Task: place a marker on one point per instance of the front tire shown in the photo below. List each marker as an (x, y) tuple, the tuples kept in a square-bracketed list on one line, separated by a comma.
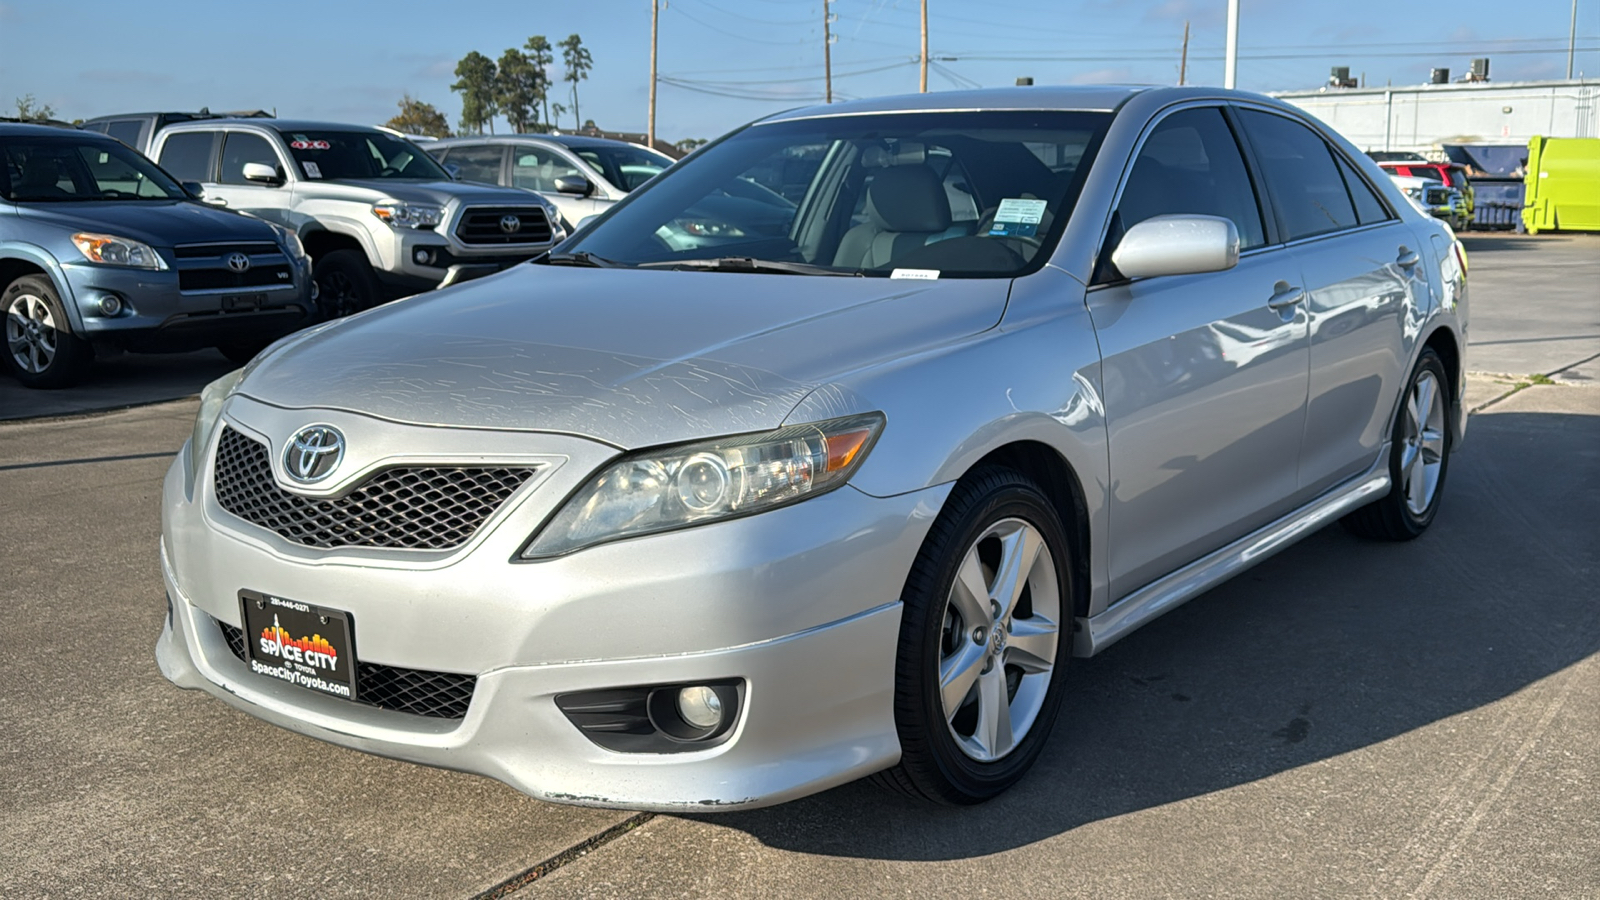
[(1419, 459), (41, 349), (345, 283), (984, 641)]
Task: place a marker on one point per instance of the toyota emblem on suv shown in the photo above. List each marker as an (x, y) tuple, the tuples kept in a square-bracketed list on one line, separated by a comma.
[(238, 262), (510, 224), (313, 453)]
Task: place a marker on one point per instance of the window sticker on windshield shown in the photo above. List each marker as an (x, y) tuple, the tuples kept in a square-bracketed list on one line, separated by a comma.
[(916, 274), (1017, 217), (312, 169), (302, 144)]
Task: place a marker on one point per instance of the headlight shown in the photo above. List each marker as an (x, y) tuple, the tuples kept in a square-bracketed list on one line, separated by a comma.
[(111, 250), (291, 242), (661, 490), (408, 215), (205, 422)]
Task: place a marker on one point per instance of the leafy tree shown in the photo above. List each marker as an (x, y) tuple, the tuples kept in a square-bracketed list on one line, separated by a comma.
[(519, 86), (578, 63), (558, 110), (688, 144), (29, 110), (417, 117), (542, 56), (476, 83)]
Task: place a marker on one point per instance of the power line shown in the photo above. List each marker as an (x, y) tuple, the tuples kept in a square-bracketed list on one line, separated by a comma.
[(680, 11)]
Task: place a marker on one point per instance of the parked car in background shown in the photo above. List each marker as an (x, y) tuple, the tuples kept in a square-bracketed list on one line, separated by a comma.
[(1435, 199), (581, 175), (138, 130), (1451, 175), (99, 248), (1026, 369), (1384, 156), (378, 216)]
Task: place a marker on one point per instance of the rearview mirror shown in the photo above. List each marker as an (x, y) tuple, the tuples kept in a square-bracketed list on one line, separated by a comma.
[(573, 184), (261, 172), (1177, 245)]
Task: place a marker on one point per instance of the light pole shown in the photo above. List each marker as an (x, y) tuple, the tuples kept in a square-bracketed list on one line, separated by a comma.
[(1231, 65)]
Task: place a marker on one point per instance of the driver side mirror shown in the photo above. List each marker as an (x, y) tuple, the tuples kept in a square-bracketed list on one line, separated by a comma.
[(194, 189), (1177, 245), (574, 184), (453, 170), (262, 173)]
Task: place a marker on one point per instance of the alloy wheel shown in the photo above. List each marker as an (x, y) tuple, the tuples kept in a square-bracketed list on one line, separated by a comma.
[(1422, 457), (31, 333)]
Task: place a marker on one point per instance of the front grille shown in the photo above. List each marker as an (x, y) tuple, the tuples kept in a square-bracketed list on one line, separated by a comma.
[(481, 225), (402, 508), (438, 695), (220, 251), (213, 279)]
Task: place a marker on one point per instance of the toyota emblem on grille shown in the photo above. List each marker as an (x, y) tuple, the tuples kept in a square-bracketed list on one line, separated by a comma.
[(238, 262), (510, 224), (313, 453)]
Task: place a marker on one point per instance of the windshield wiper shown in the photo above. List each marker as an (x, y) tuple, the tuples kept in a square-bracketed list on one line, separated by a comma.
[(580, 258), (749, 264)]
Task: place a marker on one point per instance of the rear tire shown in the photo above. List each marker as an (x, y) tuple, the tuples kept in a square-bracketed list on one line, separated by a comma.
[(345, 283), (41, 349), (985, 636), (1419, 459)]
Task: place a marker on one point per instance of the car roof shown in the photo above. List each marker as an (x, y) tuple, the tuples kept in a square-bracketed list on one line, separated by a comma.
[(1087, 98), (16, 129), (275, 124), (565, 140)]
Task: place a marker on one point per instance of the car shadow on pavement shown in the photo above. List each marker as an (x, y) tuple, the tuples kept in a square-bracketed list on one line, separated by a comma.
[(1334, 645)]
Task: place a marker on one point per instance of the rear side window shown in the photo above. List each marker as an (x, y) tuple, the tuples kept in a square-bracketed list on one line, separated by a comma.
[(478, 163), (239, 148), (187, 156), (537, 169), (1369, 208), (126, 131), (1301, 175), (1190, 164)]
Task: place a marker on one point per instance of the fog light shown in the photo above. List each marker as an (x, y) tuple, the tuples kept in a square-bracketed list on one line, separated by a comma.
[(424, 257), (700, 707), (110, 305)]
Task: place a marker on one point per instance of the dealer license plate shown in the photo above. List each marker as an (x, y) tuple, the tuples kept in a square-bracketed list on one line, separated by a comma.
[(299, 643)]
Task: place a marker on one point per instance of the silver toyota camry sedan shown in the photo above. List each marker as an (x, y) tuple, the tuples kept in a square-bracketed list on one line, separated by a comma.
[(823, 454)]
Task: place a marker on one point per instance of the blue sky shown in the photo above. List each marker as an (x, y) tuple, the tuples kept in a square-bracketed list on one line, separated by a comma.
[(350, 60)]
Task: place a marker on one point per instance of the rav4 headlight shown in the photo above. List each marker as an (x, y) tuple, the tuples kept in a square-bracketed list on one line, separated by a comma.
[(205, 422), (408, 215), (110, 250), (662, 490)]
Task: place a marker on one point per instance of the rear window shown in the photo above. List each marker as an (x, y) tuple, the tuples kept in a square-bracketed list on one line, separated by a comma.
[(188, 155)]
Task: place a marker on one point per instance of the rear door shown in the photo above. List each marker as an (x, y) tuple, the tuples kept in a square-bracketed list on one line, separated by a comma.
[(1204, 375), (1364, 279)]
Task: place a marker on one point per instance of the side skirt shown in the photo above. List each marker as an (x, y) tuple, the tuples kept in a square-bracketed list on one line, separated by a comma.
[(1165, 594)]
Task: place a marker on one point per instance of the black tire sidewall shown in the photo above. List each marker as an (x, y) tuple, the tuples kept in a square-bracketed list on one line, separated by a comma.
[(354, 266), (73, 353)]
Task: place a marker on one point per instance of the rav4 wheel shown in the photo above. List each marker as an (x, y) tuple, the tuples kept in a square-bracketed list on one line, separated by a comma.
[(40, 347), (1419, 459), (984, 641), (345, 283)]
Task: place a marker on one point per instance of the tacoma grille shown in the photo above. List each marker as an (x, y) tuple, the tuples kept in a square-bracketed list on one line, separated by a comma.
[(403, 508), (439, 695), (482, 225)]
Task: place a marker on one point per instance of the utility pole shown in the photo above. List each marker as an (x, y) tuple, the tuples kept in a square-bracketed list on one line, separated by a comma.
[(827, 53), (1183, 59), (655, 14), (1231, 63), (1572, 38), (924, 84)]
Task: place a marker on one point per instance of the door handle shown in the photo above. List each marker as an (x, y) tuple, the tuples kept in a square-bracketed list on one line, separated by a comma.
[(1285, 296), (1408, 257), (216, 201)]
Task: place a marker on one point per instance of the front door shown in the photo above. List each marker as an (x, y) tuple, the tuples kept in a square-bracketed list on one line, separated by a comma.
[(233, 191)]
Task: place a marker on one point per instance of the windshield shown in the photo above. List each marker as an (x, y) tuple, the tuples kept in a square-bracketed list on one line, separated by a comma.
[(52, 169), (971, 194), (626, 167), (341, 155)]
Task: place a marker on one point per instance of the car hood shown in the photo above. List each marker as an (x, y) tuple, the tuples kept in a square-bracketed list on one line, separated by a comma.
[(436, 193), (631, 357), (159, 223)]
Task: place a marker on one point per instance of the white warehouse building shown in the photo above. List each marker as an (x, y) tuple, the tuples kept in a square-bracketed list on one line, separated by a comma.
[(1422, 117)]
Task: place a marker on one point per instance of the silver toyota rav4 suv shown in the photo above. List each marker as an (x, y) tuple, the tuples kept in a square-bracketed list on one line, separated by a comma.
[(379, 217), (719, 526)]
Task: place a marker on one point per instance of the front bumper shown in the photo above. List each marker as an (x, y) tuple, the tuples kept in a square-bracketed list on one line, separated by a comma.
[(156, 315), (801, 603)]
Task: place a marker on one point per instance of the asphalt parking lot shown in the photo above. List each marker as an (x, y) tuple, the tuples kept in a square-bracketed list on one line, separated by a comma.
[(1347, 719)]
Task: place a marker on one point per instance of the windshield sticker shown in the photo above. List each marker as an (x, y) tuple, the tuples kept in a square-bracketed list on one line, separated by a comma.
[(312, 169), (916, 274), (1017, 217), (301, 143)]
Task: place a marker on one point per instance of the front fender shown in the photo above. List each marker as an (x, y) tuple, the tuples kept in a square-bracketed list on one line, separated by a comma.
[(46, 260)]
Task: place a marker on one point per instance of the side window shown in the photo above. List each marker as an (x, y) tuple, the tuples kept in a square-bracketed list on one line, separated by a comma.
[(478, 163), (537, 170), (239, 148), (1369, 208), (1301, 175), (1191, 164), (187, 156), (126, 131)]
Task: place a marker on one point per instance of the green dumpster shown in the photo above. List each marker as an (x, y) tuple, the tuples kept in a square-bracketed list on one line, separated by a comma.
[(1563, 180)]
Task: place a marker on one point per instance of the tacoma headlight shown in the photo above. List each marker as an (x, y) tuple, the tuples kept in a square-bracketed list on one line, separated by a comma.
[(205, 421), (408, 215), (110, 250), (661, 490)]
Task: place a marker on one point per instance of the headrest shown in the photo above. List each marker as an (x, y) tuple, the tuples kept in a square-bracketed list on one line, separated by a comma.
[(908, 198)]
